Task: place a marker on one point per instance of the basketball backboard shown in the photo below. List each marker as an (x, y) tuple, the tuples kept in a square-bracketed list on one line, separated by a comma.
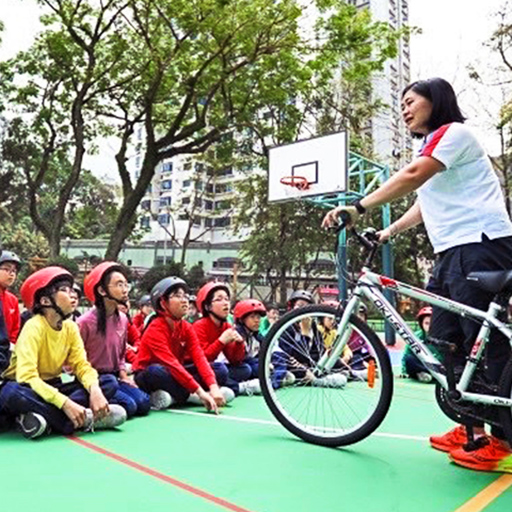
[(322, 161)]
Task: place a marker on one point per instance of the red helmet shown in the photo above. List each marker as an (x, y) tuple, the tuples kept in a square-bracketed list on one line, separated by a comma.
[(95, 276), (206, 292), (246, 307), (39, 280), (425, 311)]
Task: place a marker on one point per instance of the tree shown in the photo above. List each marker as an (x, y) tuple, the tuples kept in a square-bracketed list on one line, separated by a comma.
[(327, 92), (159, 272), (63, 78)]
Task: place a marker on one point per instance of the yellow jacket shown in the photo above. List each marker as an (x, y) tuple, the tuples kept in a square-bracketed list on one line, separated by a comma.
[(40, 354)]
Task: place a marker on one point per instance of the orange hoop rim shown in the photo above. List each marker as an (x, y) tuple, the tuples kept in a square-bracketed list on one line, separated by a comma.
[(299, 182)]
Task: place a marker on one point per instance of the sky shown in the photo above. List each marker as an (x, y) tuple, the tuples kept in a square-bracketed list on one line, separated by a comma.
[(454, 33)]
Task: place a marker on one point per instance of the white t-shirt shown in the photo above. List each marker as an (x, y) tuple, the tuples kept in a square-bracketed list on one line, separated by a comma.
[(464, 200)]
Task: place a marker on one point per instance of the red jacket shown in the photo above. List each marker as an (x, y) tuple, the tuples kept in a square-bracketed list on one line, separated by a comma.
[(133, 339), (208, 333), (169, 346), (138, 321), (11, 314)]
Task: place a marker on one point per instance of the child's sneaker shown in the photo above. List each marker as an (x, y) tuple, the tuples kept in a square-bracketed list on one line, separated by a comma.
[(424, 377), (493, 456), (160, 400), (115, 417), (289, 379), (250, 387), (32, 425), (227, 393), (455, 438), (333, 380)]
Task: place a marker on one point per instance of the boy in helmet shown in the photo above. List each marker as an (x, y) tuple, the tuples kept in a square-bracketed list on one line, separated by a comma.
[(104, 330), (33, 392), (221, 342), (9, 310), (145, 309), (170, 364)]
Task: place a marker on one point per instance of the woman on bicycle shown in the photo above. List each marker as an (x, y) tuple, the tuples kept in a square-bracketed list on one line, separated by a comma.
[(460, 201)]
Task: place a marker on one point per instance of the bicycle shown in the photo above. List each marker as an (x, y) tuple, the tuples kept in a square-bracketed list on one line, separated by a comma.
[(298, 372)]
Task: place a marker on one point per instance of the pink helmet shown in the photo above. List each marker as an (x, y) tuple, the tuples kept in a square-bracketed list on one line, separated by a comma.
[(425, 311), (206, 292), (94, 277)]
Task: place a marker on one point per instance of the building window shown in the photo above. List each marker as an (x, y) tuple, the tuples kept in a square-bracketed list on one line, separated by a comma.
[(167, 167), (164, 219), (146, 204), (208, 205), (222, 222), (186, 183), (166, 185), (165, 201), (145, 221), (185, 200), (208, 223), (209, 188)]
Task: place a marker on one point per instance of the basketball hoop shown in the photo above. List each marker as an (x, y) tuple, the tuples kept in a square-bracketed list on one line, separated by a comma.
[(299, 182)]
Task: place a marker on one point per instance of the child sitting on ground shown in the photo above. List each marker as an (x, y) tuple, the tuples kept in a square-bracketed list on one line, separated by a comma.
[(248, 314), (411, 365), (168, 342), (9, 267), (104, 330), (34, 393), (223, 346)]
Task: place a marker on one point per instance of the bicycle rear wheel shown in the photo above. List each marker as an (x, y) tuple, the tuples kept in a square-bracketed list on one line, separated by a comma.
[(337, 409)]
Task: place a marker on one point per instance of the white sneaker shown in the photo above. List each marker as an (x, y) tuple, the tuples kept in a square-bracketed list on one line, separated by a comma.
[(424, 377), (32, 425), (160, 400), (228, 394), (116, 416), (333, 380), (250, 387), (193, 398), (289, 379)]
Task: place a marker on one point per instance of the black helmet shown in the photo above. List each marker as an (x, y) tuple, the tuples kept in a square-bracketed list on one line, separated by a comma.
[(11, 257), (145, 300), (300, 294), (163, 288), (78, 289)]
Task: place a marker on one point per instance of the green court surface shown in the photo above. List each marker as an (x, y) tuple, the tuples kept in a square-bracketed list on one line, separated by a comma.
[(243, 461)]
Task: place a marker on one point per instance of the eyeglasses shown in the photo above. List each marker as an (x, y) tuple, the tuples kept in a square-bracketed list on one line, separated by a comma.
[(179, 296), (9, 270), (122, 285), (221, 299)]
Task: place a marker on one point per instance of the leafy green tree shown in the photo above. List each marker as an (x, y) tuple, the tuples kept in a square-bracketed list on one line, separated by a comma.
[(329, 91), (159, 272)]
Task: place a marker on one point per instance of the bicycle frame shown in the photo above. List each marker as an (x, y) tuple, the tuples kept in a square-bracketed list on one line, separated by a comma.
[(369, 285)]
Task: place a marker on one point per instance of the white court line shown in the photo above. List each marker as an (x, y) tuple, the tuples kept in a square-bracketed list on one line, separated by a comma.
[(277, 424)]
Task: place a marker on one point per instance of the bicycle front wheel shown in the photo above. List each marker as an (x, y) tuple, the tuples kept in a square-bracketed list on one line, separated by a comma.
[(337, 408)]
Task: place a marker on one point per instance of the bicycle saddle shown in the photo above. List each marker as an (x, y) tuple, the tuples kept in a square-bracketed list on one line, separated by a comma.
[(494, 281)]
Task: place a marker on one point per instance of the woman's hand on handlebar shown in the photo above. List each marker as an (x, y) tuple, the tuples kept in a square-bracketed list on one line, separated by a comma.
[(384, 235), (332, 218)]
